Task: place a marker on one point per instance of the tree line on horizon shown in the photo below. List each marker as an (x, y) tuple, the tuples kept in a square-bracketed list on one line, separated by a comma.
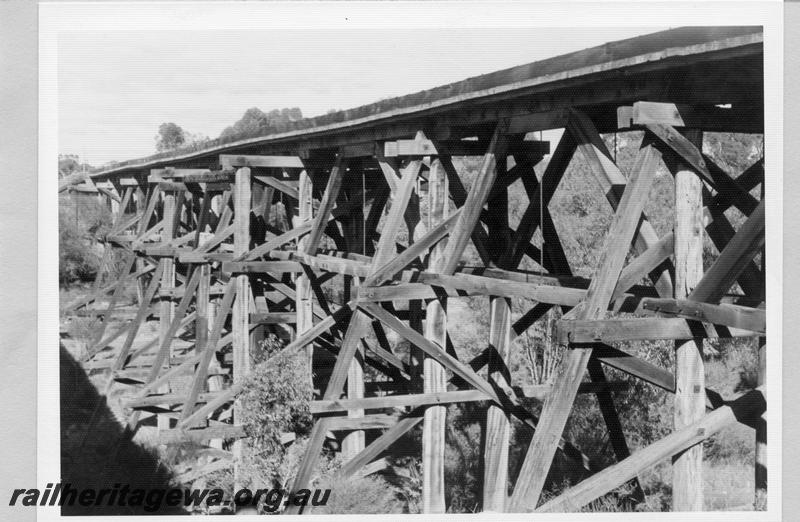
[(171, 136), (254, 122)]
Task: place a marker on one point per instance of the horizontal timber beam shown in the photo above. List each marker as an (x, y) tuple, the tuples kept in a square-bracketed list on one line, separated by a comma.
[(427, 147), (427, 399), (273, 318), (646, 328), (256, 267), (743, 317), (367, 422), (228, 161), (393, 401)]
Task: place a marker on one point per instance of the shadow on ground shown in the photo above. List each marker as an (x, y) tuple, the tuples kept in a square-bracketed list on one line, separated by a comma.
[(94, 454)]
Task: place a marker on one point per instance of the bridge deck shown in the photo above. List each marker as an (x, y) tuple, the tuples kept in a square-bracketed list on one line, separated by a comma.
[(690, 65)]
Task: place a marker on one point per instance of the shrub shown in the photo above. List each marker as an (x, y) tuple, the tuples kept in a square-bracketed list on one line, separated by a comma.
[(80, 222), (76, 261), (407, 476), (463, 457), (275, 400)]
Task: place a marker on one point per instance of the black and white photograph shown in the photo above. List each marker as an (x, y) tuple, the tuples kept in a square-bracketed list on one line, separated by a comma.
[(397, 258)]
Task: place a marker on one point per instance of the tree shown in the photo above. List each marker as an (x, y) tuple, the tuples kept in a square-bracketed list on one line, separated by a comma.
[(170, 137), (252, 121), (255, 122), (195, 139), (70, 164)]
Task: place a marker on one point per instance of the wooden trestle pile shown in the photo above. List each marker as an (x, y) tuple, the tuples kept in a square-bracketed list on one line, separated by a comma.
[(201, 246)]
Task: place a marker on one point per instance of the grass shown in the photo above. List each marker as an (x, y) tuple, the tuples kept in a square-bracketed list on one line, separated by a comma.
[(728, 486)]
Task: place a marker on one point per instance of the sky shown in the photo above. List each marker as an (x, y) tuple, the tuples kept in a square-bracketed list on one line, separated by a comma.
[(116, 87)]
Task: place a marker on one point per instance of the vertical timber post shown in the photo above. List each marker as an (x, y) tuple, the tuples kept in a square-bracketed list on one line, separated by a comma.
[(167, 283), (140, 198), (434, 376), (258, 302), (354, 441), (114, 205), (497, 434), (690, 399), (303, 301), (241, 306), (433, 485), (415, 314), (215, 382), (202, 324)]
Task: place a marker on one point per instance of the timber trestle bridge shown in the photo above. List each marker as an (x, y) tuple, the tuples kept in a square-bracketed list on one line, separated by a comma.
[(197, 238)]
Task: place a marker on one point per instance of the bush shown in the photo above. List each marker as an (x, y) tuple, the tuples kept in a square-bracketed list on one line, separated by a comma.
[(275, 400), (80, 222), (76, 261), (463, 468)]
